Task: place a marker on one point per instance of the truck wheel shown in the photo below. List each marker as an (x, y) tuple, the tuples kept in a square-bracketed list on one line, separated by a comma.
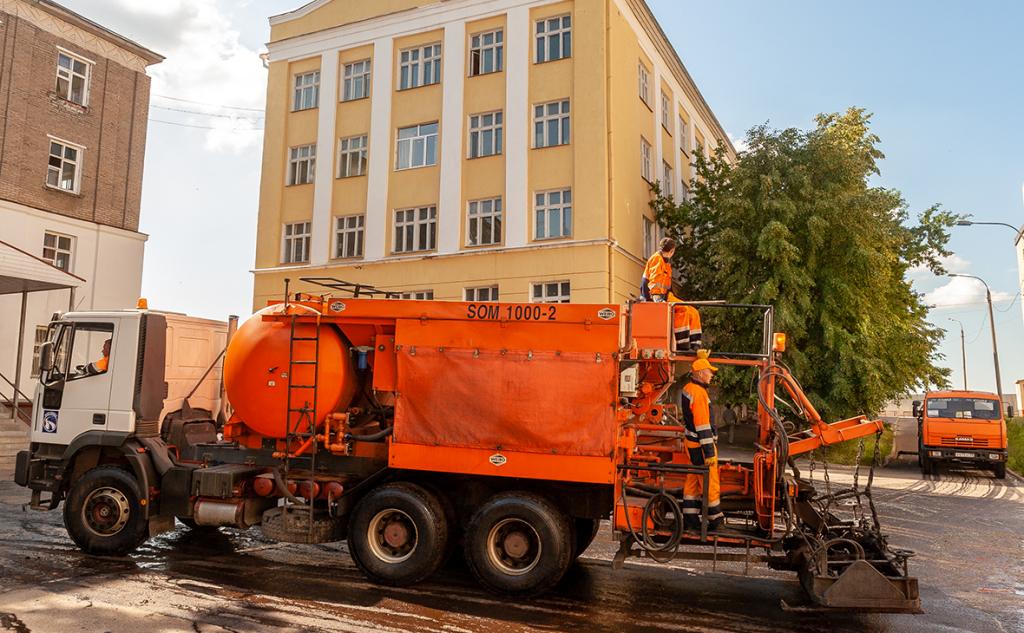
[(518, 544), (584, 533), (398, 534), (1000, 470), (102, 512)]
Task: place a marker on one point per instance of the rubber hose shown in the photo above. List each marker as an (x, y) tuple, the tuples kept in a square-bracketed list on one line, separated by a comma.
[(372, 437), (677, 527), (283, 489)]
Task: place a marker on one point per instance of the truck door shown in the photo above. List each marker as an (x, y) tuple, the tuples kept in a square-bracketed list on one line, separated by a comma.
[(76, 385)]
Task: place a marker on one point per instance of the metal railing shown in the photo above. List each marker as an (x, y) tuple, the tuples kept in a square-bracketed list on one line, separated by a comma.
[(16, 412)]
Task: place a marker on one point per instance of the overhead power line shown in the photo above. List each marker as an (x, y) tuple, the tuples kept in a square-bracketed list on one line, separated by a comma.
[(212, 105), (207, 127), (241, 117)]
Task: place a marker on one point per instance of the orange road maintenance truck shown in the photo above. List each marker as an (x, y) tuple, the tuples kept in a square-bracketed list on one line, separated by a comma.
[(409, 428), (965, 427)]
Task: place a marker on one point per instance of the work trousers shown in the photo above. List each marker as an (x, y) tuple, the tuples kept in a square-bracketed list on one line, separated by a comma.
[(686, 327), (693, 488)]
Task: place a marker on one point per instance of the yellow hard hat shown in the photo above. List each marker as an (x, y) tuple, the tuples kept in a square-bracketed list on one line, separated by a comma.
[(702, 361)]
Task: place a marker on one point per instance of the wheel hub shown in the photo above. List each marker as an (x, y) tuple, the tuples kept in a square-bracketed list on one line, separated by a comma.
[(395, 534), (392, 535), (106, 511), (514, 546)]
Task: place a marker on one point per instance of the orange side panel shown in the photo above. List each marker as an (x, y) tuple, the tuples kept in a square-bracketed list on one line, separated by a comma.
[(559, 403), (651, 325), (478, 461)]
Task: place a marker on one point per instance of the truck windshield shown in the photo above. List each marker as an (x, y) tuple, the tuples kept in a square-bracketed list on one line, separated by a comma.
[(964, 408)]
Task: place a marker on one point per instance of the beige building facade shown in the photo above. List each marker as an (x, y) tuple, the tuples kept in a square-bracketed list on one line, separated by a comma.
[(472, 150)]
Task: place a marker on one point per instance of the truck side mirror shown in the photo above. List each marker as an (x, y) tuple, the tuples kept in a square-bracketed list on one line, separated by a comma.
[(916, 408), (46, 357)]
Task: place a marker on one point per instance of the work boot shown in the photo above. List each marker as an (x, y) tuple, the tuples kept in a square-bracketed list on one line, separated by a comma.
[(691, 523), (716, 525)]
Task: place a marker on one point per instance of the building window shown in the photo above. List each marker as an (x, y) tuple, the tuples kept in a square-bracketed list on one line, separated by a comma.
[(420, 66), (666, 179), (551, 124), (553, 214), (64, 168), (484, 293), (348, 236), (485, 134), (420, 295), (352, 156), (549, 292), (73, 78), (644, 76), (554, 38), (356, 83), (57, 250), (684, 190), (485, 53), (652, 236), (301, 164), (415, 229), (484, 225), (646, 169), (37, 343), (684, 136), (307, 91), (417, 146), (295, 243), (665, 112)]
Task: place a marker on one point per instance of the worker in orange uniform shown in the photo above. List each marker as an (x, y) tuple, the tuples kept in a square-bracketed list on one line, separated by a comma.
[(99, 366), (701, 439), (656, 285)]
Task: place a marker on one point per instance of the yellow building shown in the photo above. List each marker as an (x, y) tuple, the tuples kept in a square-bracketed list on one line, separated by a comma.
[(472, 149)]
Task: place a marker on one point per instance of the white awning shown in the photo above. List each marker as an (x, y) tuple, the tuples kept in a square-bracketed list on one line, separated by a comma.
[(21, 271)]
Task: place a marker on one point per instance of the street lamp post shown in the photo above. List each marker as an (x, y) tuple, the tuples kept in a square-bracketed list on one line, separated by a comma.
[(1018, 231), (992, 322), (963, 349)]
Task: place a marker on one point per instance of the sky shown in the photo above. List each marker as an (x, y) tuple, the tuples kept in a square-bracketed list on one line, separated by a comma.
[(944, 84)]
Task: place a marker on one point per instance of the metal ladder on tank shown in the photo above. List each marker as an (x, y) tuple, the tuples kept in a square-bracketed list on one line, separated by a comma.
[(303, 428)]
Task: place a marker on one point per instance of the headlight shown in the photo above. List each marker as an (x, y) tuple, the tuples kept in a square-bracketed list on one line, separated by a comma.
[(935, 453), (994, 456)]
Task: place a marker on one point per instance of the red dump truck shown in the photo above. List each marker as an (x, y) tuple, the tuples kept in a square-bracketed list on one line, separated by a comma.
[(410, 428)]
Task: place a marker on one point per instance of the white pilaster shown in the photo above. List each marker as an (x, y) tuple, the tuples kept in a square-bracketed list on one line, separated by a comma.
[(677, 140), (453, 79), (518, 43), (659, 156), (323, 178), (379, 151)]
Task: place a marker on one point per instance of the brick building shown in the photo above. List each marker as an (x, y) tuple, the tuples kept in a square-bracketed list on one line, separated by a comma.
[(74, 99)]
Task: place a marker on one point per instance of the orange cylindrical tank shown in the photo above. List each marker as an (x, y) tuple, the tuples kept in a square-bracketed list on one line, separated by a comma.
[(257, 374)]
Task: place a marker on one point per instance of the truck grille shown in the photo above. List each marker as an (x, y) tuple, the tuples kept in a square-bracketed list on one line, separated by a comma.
[(962, 443)]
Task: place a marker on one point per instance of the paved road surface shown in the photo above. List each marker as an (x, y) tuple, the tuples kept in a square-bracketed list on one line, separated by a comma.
[(967, 528)]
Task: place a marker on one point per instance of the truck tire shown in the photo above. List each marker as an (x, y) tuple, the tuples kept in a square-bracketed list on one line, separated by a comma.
[(584, 533), (1000, 470), (518, 544), (102, 513), (398, 534)]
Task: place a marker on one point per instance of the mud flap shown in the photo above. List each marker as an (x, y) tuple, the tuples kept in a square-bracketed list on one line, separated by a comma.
[(863, 589)]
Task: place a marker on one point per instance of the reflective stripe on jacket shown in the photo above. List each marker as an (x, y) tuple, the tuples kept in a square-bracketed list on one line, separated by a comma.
[(658, 273), (696, 410)]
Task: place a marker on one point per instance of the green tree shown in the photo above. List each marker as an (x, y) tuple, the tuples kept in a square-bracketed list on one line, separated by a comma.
[(794, 222)]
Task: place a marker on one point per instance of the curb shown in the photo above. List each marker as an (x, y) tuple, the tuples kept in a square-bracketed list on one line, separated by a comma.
[(1015, 475)]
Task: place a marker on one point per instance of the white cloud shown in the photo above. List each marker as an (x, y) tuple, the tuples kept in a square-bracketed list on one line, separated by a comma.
[(205, 62), (953, 263), (960, 291), (740, 143)]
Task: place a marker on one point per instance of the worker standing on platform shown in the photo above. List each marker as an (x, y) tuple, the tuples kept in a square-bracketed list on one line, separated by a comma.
[(701, 441), (656, 285)]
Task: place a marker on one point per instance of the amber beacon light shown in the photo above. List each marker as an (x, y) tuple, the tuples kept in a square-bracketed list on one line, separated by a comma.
[(779, 342)]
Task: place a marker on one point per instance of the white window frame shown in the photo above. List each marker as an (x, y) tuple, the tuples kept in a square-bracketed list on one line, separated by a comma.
[(69, 74), (422, 146), (479, 129), (352, 156), (684, 136), (646, 166), (543, 117), (349, 235), (301, 156), (303, 88), (478, 50), (644, 83), (295, 240), (415, 63), (544, 207), (557, 28), (665, 101), (652, 232), (417, 295), (489, 210), (481, 294), (57, 250), (562, 292), (417, 225), (666, 179), (356, 81), (684, 190), (77, 162), (37, 343)]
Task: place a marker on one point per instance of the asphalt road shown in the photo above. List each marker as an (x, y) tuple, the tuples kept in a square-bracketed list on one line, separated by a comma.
[(967, 528)]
